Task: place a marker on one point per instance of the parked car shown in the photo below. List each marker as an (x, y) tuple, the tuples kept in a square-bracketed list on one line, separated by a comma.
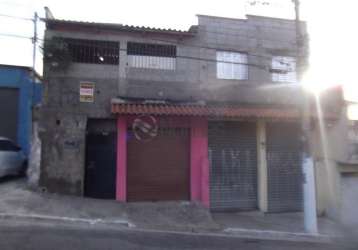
[(12, 159)]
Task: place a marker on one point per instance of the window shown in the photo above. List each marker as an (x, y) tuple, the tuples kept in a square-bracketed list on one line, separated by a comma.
[(151, 56), (231, 65), (283, 69), (93, 51)]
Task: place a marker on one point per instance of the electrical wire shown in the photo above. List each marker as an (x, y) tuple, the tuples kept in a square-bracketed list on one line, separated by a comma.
[(17, 17), (15, 36), (192, 46), (263, 67)]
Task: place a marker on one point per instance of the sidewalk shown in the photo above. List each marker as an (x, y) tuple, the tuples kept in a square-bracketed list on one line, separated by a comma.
[(16, 201)]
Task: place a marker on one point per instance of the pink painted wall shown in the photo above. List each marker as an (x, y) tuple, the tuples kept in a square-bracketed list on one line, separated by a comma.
[(199, 164), (121, 179)]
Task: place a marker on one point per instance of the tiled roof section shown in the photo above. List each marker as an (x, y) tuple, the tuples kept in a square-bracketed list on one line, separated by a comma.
[(203, 110), (120, 27)]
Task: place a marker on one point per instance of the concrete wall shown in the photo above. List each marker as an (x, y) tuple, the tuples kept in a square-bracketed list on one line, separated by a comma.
[(64, 117), (330, 149), (195, 74)]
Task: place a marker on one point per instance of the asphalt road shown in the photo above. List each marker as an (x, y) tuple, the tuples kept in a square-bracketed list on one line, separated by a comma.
[(34, 235)]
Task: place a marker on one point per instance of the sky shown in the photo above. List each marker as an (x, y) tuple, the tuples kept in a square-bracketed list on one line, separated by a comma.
[(331, 25)]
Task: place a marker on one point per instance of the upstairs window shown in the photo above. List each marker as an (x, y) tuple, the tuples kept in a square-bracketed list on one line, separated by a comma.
[(283, 69), (93, 51), (151, 56), (231, 65)]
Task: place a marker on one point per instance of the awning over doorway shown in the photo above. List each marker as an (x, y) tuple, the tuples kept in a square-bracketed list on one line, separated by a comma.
[(202, 110)]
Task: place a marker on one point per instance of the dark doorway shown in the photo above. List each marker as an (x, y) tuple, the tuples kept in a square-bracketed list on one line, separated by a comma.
[(100, 172), (158, 170), (9, 99)]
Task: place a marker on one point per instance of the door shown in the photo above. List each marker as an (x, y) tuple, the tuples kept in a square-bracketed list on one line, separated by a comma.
[(284, 167), (233, 166), (349, 199), (100, 172), (9, 100), (158, 170)]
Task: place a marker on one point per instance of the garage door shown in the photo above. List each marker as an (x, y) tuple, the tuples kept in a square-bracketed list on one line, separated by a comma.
[(158, 170), (284, 167), (9, 99), (349, 202), (233, 166)]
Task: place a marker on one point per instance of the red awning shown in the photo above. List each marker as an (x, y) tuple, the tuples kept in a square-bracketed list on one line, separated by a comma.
[(203, 110)]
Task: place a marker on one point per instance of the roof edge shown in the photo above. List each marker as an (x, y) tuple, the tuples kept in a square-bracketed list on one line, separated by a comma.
[(123, 27), (28, 68)]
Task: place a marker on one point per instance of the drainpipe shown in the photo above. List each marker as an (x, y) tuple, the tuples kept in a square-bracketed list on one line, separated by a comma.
[(309, 186)]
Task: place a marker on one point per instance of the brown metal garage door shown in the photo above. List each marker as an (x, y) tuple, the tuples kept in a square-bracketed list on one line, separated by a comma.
[(158, 170)]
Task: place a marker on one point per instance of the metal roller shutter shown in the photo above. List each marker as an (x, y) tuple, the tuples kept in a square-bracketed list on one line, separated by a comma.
[(284, 167), (233, 166), (158, 170)]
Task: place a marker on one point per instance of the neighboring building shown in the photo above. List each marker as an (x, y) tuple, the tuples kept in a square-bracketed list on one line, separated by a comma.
[(211, 114), (20, 91), (337, 164)]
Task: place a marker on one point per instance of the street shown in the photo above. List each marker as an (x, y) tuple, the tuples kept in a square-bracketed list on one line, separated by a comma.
[(35, 235)]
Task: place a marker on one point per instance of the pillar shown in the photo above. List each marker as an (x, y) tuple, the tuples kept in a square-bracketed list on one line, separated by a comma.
[(262, 167), (121, 179)]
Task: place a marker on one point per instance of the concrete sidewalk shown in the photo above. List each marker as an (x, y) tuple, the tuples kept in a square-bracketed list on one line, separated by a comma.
[(17, 201)]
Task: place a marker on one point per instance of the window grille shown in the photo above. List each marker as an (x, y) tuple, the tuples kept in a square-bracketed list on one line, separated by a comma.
[(152, 56), (284, 69), (231, 65), (93, 51)]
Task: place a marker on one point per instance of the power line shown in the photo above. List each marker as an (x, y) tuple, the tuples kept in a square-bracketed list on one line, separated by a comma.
[(193, 46), (16, 17), (15, 3), (259, 66), (15, 36)]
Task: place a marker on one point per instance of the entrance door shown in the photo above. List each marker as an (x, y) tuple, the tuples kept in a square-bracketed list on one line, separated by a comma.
[(100, 178), (158, 170), (284, 167), (233, 166), (9, 99)]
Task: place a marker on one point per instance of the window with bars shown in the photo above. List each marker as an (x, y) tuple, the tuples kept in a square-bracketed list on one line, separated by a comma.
[(93, 51), (283, 69), (231, 65), (151, 56)]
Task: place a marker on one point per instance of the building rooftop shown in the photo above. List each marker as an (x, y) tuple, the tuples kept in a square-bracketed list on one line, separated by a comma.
[(26, 68), (53, 23)]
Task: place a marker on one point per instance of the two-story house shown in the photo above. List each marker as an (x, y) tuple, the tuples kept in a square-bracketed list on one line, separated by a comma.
[(211, 114)]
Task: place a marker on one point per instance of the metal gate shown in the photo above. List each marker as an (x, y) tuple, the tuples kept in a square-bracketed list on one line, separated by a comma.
[(9, 99), (158, 170), (284, 167), (233, 166)]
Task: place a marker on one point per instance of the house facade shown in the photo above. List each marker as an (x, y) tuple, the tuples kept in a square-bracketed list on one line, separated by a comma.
[(211, 114), (20, 91)]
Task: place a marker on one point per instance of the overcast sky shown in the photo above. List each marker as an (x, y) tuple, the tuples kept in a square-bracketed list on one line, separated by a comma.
[(331, 23)]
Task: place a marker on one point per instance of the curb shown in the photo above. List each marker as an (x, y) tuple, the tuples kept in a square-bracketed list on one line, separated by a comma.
[(279, 235), (227, 233), (66, 219)]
